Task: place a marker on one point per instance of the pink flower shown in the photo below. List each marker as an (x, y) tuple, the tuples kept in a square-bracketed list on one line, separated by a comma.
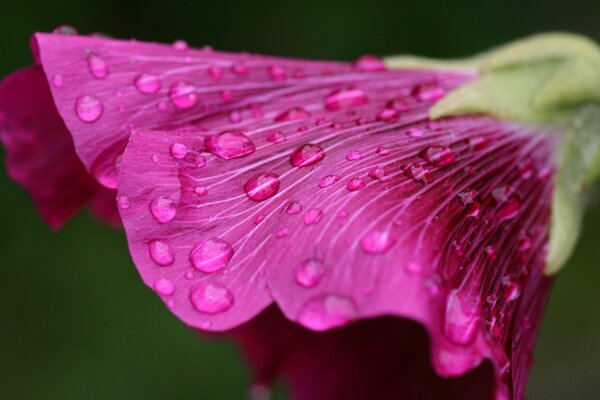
[(281, 199)]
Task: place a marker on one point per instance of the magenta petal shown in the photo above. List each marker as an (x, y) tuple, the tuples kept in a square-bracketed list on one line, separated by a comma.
[(40, 153), (103, 88)]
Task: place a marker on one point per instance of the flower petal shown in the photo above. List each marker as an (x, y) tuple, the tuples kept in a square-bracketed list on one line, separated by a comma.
[(40, 154)]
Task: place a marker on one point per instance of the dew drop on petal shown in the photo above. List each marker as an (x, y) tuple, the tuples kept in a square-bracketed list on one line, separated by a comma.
[(240, 69), (509, 209), (418, 173), (440, 156), (312, 216), (293, 208), (161, 253), (164, 287), (429, 92), (200, 191), (229, 144), (307, 155), (211, 255), (353, 155), (414, 132), (461, 319), (414, 268), (369, 63), (147, 83), (180, 45), (379, 173), (276, 137), (293, 114), (88, 108), (524, 243), (123, 202), (377, 241), (326, 312), (355, 184), (472, 202), (309, 273), (57, 80), (277, 73), (383, 151), (183, 95), (216, 73), (211, 298), (328, 181), (262, 186), (345, 98), (178, 151), (97, 66), (163, 209)]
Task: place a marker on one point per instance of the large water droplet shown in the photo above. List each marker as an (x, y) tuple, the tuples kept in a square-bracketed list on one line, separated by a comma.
[(147, 83), (88, 108), (326, 312), (307, 155), (183, 95), (163, 209), (345, 98), (164, 287), (229, 144), (309, 273), (211, 255), (211, 298), (377, 241), (461, 319), (262, 186), (97, 66), (313, 216), (161, 253)]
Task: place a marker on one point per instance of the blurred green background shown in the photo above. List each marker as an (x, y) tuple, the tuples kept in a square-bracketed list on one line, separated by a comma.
[(76, 321)]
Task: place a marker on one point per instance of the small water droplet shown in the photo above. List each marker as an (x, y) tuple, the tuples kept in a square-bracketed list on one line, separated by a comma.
[(123, 202), (377, 241), (429, 92), (189, 275), (353, 155), (211, 298), (162, 106), (282, 232), (293, 208), (345, 98), (326, 312), (472, 202), (216, 73), (147, 83), (414, 268), (180, 45), (65, 30), (154, 158), (307, 155), (491, 252), (313, 216), (183, 95), (276, 137), (178, 151), (418, 173), (328, 181), (211, 255), (461, 318), (262, 186), (293, 114), (57, 80), (414, 132), (229, 144), (163, 209), (355, 184), (309, 273), (525, 243), (440, 156), (97, 66), (200, 191), (88, 108), (277, 73), (379, 173), (240, 69), (369, 63), (509, 209), (164, 287), (161, 253), (383, 151)]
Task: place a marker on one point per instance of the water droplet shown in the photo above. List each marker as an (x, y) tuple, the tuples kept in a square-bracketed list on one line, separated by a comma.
[(277, 73), (345, 98), (440, 156), (512, 290), (414, 132), (414, 268), (259, 218), (211, 298), (377, 242), (154, 158), (293, 114), (328, 181), (240, 69), (147, 83), (429, 92), (229, 144), (183, 95), (379, 173), (216, 73), (276, 137), (309, 273), (161, 253), (491, 252), (282, 232), (388, 115), (211, 255), (163, 209), (369, 63), (65, 30), (200, 191), (293, 208), (383, 151), (57, 80), (162, 106), (123, 202), (313, 216), (97, 66), (472, 202), (326, 312), (200, 161), (180, 45), (189, 275), (355, 184), (262, 186), (509, 209), (88, 108), (178, 151), (353, 155), (307, 155), (164, 287), (461, 318), (524, 243), (418, 174)]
